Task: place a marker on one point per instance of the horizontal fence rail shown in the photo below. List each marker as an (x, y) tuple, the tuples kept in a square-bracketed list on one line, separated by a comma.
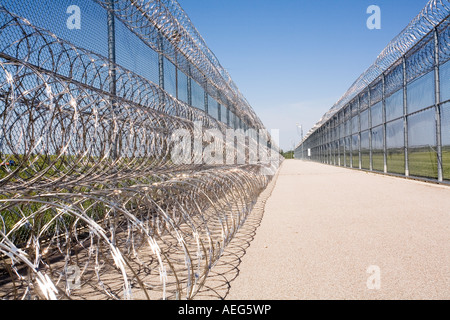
[(93, 202), (395, 120)]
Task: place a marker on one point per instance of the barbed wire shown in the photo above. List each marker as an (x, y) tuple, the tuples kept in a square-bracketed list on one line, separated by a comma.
[(183, 45), (92, 203), (432, 15)]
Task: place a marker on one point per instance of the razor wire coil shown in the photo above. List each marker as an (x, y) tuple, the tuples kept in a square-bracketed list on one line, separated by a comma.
[(93, 205)]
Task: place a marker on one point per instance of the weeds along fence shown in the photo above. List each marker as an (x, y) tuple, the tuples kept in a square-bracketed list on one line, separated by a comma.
[(395, 118), (93, 204)]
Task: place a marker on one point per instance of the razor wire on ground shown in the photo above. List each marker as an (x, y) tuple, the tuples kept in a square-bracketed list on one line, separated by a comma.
[(92, 203)]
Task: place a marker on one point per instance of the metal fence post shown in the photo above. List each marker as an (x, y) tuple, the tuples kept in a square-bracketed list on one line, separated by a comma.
[(160, 60), (339, 140), (112, 70), (351, 135), (189, 86), (330, 142), (176, 76), (405, 118), (205, 97), (383, 106), (359, 133), (438, 107), (370, 130)]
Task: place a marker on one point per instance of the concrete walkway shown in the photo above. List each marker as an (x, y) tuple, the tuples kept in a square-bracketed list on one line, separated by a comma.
[(324, 227)]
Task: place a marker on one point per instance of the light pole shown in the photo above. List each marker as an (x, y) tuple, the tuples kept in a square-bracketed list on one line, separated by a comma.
[(301, 132)]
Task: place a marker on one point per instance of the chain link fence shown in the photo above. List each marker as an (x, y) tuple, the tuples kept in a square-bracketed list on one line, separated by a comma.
[(395, 118)]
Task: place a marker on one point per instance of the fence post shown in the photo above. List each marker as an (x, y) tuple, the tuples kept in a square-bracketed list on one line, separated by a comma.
[(176, 74), (177, 92), (160, 60), (328, 142), (205, 96), (438, 107), (338, 140), (370, 130), (405, 118), (189, 86), (359, 133), (112, 71), (383, 106)]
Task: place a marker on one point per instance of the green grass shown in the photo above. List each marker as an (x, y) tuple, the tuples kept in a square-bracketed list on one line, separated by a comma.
[(396, 161), (422, 162), (365, 160), (378, 161), (446, 162), (355, 159)]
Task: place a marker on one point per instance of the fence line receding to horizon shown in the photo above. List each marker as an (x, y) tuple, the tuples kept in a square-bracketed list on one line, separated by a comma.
[(395, 119)]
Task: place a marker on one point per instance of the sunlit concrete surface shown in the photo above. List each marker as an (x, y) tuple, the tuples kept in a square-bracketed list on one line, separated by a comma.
[(324, 227)]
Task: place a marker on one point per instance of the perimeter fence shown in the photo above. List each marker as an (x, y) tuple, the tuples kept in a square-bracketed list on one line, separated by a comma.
[(395, 118)]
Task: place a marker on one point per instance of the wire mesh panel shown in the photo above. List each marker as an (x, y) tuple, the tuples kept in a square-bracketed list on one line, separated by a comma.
[(394, 79), (52, 15), (348, 151), (232, 123), (355, 151), (355, 124), (198, 96), (342, 152), (395, 145), (377, 114), (376, 93), (364, 119), (131, 52), (170, 78), (420, 93), (422, 154), (365, 150), (182, 88), (213, 108), (378, 148), (224, 114), (394, 106), (364, 100), (444, 73)]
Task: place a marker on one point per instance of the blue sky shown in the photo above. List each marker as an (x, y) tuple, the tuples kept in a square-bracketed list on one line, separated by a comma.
[(293, 59)]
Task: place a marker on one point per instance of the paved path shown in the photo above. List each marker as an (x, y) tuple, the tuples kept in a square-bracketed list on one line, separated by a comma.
[(324, 226)]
